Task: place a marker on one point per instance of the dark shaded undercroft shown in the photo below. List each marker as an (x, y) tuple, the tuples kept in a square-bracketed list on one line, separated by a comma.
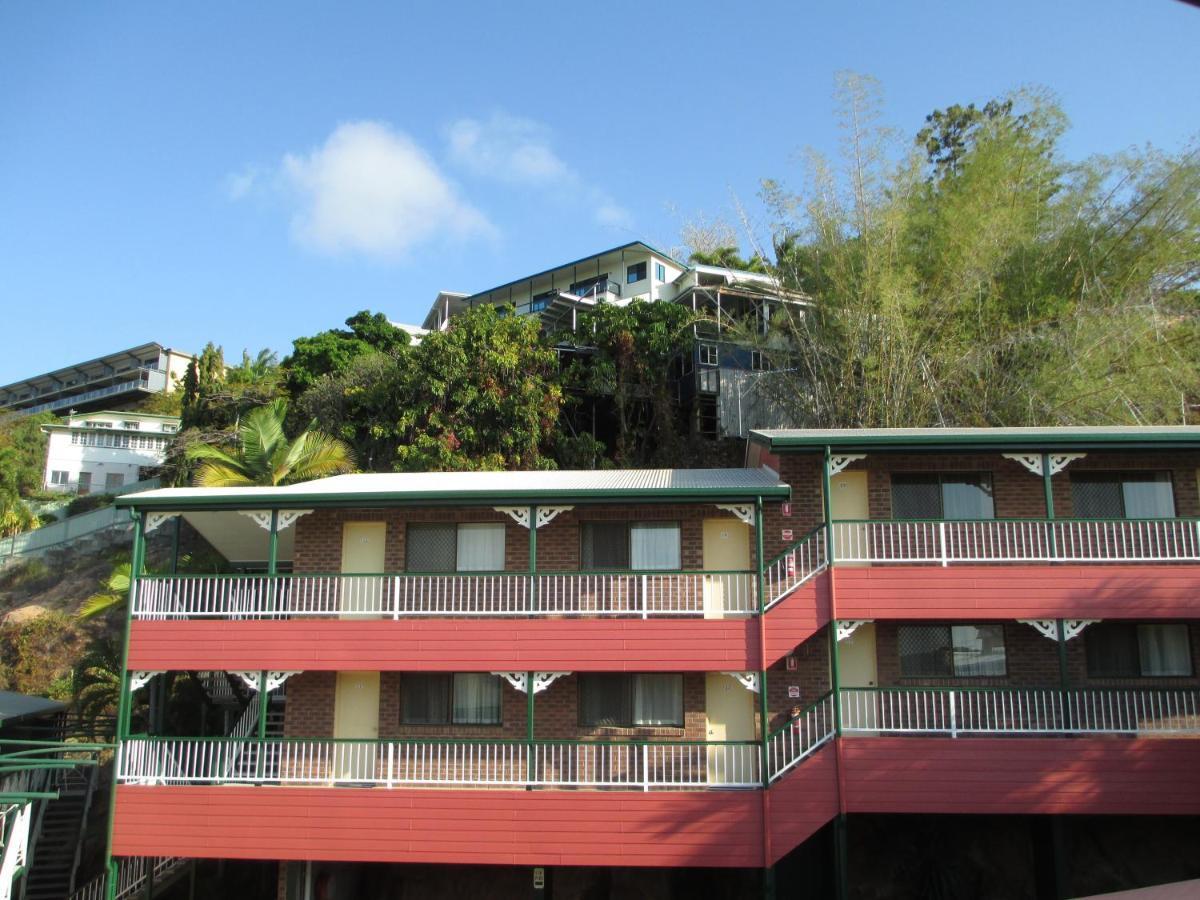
[(892, 857)]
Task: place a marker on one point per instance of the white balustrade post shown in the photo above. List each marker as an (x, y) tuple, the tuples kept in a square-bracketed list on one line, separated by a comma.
[(645, 765), (942, 541), (645, 599), (953, 716)]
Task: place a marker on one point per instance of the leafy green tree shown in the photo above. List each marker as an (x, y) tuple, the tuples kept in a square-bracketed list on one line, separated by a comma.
[(362, 405), (113, 593), (629, 357), (255, 370), (483, 394), (264, 455), (331, 352), (97, 681), (1009, 287)]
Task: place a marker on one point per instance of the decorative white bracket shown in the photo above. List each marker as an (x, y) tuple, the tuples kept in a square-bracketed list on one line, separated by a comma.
[(541, 680), (516, 679), (748, 680), (849, 626), (262, 517), (546, 515), (1072, 627), (274, 679), (838, 463), (154, 519), (1048, 628), (138, 680), (743, 511), (520, 514), (1033, 461)]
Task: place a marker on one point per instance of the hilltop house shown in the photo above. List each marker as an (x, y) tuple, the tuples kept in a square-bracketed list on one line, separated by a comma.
[(105, 451), (718, 381)]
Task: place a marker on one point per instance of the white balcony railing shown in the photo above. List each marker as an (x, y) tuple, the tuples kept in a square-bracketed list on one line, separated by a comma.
[(1021, 711), (794, 566), (447, 763), (642, 594), (800, 736), (1017, 540), (132, 874)]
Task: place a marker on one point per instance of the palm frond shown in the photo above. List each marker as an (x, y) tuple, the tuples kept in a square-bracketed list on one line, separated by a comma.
[(214, 474), (316, 455)]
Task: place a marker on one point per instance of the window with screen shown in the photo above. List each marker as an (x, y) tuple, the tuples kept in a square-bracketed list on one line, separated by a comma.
[(625, 545), (447, 547), (952, 651), (1122, 495), (951, 495), (461, 698), (623, 700)]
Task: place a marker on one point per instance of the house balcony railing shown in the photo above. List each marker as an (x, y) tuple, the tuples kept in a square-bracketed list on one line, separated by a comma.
[(636, 594), (1016, 541), (396, 596), (433, 762), (1021, 711)]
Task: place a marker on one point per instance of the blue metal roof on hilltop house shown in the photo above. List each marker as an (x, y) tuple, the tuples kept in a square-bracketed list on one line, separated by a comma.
[(576, 262), (14, 707)]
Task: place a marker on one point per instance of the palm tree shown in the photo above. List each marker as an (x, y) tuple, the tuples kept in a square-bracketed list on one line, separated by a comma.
[(266, 457), (113, 595), (98, 685)]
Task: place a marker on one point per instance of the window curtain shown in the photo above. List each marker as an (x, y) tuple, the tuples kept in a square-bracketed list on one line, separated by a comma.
[(1164, 650), (476, 699), (967, 497), (1148, 496), (481, 547), (658, 700), (655, 545)]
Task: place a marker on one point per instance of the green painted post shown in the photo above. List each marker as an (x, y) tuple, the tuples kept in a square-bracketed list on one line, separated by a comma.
[(178, 522), (1048, 493), (533, 592), (762, 629), (1063, 681), (263, 703), (272, 559), (827, 506), (135, 567), (529, 765), (835, 678)]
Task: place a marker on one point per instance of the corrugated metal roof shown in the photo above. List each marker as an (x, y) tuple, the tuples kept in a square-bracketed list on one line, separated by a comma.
[(1065, 437), (458, 487), (14, 706)]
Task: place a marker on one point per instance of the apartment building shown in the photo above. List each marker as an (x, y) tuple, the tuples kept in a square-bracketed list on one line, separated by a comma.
[(112, 381), (721, 378), (556, 673), (105, 451)]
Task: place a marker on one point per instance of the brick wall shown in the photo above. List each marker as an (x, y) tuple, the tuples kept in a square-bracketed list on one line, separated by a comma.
[(810, 675), (1018, 494), (1032, 661), (309, 712), (319, 534)]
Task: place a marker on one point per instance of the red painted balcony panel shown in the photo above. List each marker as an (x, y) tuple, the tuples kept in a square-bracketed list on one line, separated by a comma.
[(802, 801), (1142, 591), (716, 828), (577, 645), (797, 617), (1026, 776)]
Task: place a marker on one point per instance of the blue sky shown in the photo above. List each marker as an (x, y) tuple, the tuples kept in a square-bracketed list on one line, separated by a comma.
[(247, 173)]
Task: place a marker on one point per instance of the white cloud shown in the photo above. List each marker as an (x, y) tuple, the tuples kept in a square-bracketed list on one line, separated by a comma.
[(242, 184), (373, 190), (518, 151)]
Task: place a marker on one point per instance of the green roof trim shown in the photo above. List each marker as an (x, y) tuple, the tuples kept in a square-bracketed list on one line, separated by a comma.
[(478, 488), (901, 440)]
